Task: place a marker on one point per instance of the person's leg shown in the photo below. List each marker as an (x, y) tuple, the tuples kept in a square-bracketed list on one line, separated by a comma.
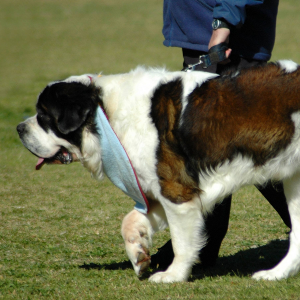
[(216, 225), (275, 195)]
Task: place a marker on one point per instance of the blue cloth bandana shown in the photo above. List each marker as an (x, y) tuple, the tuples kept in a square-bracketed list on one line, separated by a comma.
[(117, 165)]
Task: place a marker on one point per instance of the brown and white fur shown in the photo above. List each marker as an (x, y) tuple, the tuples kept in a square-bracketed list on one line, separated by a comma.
[(193, 138)]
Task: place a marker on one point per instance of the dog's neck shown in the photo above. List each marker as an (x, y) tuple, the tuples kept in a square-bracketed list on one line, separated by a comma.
[(116, 162)]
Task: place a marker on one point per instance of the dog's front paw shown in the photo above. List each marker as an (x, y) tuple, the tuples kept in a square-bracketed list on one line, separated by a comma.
[(267, 275), (136, 232), (166, 277), (142, 263), (139, 257)]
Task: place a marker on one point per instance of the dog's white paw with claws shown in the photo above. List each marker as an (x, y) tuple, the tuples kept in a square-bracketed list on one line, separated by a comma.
[(137, 233)]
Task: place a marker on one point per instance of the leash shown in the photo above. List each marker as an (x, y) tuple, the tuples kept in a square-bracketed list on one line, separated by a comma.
[(215, 55)]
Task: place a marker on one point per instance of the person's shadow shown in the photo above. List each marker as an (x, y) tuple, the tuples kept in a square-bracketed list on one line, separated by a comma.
[(242, 263)]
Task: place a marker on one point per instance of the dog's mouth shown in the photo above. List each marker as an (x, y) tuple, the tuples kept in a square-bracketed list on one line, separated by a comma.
[(63, 156)]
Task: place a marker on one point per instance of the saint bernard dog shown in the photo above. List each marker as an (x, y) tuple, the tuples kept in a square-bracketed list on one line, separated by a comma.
[(191, 138)]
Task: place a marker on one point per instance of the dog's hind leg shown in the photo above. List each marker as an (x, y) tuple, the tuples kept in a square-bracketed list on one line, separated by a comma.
[(186, 224), (290, 264), (137, 230)]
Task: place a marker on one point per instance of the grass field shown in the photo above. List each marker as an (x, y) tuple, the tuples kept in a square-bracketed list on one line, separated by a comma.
[(59, 229)]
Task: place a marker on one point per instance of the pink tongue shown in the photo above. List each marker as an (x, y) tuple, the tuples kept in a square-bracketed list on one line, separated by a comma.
[(40, 163)]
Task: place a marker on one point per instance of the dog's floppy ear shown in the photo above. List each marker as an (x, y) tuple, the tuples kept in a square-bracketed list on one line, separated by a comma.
[(70, 119), (69, 104)]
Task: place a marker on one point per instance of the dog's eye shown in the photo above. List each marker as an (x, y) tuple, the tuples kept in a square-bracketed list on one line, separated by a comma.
[(43, 117), (44, 121)]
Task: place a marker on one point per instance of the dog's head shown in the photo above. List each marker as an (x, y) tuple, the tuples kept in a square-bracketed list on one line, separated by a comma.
[(64, 110)]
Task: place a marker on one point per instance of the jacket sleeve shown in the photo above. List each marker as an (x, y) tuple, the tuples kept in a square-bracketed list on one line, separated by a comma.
[(233, 11)]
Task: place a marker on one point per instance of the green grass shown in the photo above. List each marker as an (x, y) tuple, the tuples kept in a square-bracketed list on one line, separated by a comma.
[(60, 229)]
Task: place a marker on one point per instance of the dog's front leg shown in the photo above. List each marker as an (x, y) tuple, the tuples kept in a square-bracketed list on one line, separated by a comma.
[(186, 224), (137, 231)]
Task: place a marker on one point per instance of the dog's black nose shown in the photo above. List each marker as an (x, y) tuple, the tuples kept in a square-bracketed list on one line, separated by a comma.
[(21, 128)]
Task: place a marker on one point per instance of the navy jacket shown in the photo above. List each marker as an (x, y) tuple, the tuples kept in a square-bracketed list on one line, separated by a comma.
[(187, 24)]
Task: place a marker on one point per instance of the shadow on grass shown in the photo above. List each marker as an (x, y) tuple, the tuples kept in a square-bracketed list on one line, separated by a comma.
[(242, 263), (245, 262), (113, 266)]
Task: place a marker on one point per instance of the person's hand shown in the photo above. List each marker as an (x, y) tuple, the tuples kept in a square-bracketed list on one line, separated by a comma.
[(219, 36)]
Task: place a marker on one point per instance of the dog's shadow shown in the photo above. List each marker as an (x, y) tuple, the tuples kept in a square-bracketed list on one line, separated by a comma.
[(113, 266), (245, 262), (242, 263)]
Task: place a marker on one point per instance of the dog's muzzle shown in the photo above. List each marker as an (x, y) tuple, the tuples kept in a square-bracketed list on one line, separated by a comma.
[(61, 157)]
